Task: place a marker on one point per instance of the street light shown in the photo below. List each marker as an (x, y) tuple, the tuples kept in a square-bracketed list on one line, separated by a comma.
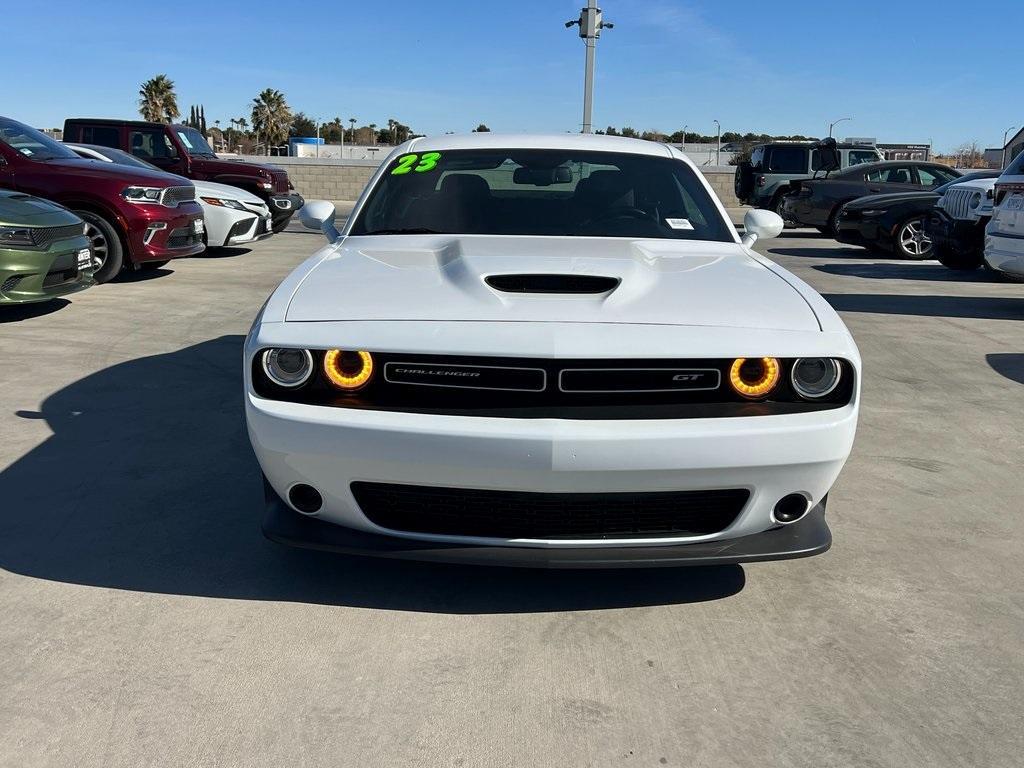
[(835, 123), (1002, 163), (590, 23), (718, 152)]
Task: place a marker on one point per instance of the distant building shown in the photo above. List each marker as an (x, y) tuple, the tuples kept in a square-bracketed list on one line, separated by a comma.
[(1014, 146), (993, 157), (905, 151)]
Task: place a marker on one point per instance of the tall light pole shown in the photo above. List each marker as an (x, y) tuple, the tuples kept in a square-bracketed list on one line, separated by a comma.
[(1002, 163), (684, 136), (718, 152), (318, 137), (590, 23), (834, 123)]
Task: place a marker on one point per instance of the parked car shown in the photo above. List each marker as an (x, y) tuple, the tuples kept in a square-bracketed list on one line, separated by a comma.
[(817, 202), (1004, 235), (184, 150), (134, 217), (232, 215), (767, 177), (548, 350), (956, 225), (44, 252), (897, 222)]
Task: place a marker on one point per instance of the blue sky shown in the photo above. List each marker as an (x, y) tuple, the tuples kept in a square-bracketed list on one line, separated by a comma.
[(446, 66)]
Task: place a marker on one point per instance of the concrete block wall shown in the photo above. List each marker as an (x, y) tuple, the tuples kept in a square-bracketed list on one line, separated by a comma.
[(332, 179)]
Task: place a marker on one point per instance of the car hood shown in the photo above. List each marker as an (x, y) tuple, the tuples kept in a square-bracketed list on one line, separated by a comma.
[(442, 277), (881, 201), (129, 174), (17, 209), (213, 189)]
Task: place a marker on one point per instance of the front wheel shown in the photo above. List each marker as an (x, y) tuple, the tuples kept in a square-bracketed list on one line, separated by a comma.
[(911, 241), (107, 251), (958, 260)]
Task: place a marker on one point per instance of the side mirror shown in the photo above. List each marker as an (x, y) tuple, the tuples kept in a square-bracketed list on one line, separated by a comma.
[(761, 225), (319, 214)]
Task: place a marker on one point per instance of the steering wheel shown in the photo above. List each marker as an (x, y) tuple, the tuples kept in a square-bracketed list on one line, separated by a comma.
[(619, 212)]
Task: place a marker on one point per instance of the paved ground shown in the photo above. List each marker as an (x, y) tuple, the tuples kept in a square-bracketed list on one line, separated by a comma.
[(146, 622)]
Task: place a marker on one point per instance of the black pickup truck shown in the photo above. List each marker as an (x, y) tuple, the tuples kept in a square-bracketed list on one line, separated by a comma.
[(183, 150)]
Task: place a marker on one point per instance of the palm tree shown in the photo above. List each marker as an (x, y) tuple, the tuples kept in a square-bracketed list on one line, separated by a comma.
[(271, 117), (157, 100), (373, 134), (352, 135)]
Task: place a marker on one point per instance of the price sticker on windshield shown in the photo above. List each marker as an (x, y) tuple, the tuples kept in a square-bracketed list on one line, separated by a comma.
[(416, 163)]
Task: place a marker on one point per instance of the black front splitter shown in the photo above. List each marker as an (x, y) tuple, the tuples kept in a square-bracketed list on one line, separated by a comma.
[(810, 536)]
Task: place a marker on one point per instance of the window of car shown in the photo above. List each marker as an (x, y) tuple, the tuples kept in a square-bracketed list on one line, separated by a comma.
[(891, 174), (104, 135), (33, 144), (194, 142), (932, 176), (787, 160), (757, 159), (541, 192), (859, 156), (150, 143)]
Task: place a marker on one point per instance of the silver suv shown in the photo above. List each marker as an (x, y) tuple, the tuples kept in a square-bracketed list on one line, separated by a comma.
[(765, 179)]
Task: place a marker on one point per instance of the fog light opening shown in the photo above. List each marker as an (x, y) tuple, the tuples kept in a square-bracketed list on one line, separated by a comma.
[(305, 498), (791, 508)]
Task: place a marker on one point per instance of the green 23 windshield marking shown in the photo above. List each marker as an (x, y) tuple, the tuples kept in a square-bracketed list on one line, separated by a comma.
[(407, 163)]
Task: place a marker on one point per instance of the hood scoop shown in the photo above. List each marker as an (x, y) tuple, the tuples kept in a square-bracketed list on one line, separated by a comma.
[(560, 284)]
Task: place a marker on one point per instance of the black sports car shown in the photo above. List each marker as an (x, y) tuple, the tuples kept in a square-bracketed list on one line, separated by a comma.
[(817, 202), (894, 222)]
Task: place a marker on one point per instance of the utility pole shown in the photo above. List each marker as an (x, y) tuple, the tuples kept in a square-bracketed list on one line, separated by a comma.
[(718, 152), (834, 123), (1002, 163), (590, 23)]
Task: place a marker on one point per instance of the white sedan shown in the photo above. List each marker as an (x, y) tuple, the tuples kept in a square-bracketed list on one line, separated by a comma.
[(232, 216), (548, 351)]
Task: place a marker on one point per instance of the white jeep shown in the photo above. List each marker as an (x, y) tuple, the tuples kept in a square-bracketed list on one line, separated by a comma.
[(956, 225)]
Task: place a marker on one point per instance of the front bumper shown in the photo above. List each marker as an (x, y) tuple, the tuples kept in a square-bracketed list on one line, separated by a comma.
[(283, 206), (156, 233), (860, 231), (808, 537), (30, 275), (958, 235)]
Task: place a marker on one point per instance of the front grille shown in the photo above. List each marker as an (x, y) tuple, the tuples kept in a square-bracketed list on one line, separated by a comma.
[(183, 237), (239, 228), (45, 236), (957, 202), (173, 196), (10, 283), (525, 515), (64, 269)]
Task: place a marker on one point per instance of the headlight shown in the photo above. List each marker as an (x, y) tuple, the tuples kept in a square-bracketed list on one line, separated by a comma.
[(754, 377), (348, 370), (143, 195), (15, 236), (975, 200), (223, 202), (815, 377), (288, 367)]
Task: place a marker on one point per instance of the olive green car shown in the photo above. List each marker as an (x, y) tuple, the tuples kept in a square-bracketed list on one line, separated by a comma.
[(44, 252)]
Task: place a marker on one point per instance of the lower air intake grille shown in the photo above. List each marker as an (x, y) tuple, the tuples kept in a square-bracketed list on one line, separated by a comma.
[(523, 515)]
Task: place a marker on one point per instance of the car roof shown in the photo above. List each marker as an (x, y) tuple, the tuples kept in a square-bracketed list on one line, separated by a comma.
[(571, 141), (811, 144), (109, 121)]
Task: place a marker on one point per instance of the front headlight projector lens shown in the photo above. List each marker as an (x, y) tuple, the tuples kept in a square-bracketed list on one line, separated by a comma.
[(754, 377), (348, 370), (288, 367), (815, 377)]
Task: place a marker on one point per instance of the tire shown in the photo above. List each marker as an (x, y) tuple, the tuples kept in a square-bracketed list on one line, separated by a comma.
[(957, 260), (108, 252), (153, 265), (779, 202), (832, 228), (911, 242)]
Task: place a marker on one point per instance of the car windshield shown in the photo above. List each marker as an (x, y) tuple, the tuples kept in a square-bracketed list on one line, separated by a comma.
[(541, 192), (966, 177), (33, 144), (119, 157), (194, 141)]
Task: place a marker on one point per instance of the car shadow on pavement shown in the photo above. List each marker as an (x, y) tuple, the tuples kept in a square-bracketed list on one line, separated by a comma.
[(148, 483), (842, 252), (15, 313), (222, 252), (977, 307), (141, 275), (901, 270), (1008, 364)]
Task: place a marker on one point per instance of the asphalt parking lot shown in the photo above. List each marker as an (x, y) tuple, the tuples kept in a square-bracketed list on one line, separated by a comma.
[(146, 622)]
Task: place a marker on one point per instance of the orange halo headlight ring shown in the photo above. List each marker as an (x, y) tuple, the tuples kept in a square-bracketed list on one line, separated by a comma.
[(348, 370), (755, 377)]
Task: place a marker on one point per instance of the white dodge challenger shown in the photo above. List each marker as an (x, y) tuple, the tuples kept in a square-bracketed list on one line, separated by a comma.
[(548, 351)]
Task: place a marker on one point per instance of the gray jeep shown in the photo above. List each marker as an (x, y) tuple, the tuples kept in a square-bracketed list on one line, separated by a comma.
[(765, 179)]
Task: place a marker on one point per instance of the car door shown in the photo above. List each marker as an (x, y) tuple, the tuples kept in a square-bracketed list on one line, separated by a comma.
[(891, 178)]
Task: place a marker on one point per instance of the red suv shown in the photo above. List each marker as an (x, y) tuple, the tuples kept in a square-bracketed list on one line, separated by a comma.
[(185, 151), (135, 217)]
